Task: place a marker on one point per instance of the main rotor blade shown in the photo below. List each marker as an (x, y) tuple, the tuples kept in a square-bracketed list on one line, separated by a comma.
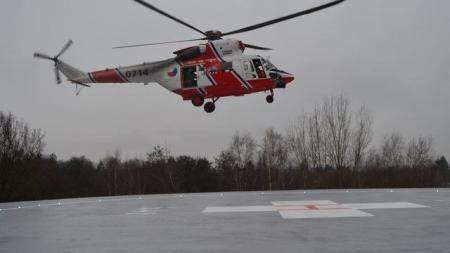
[(64, 49), (157, 43), (168, 15), (257, 47), (278, 20), (42, 56)]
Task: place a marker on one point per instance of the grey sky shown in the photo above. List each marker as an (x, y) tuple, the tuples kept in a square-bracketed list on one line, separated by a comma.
[(392, 55)]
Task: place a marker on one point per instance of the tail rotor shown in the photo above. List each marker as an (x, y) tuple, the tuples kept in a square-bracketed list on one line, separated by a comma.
[(55, 59), (57, 74), (43, 56)]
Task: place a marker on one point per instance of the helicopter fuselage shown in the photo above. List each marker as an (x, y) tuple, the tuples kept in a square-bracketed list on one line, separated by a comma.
[(212, 70)]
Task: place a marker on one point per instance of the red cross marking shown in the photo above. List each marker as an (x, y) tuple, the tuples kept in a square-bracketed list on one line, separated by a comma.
[(312, 207)]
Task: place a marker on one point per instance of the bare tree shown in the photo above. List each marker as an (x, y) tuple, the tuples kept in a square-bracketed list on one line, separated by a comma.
[(18, 144), (273, 154), (373, 159), (419, 152), (361, 137), (298, 141), (242, 148), (225, 164), (112, 166), (17, 139), (337, 129), (158, 159), (317, 139), (392, 149)]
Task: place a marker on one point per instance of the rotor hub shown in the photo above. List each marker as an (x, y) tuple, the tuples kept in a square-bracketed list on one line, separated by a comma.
[(213, 35)]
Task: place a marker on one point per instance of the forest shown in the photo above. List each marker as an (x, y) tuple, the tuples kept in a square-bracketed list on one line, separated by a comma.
[(331, 147)]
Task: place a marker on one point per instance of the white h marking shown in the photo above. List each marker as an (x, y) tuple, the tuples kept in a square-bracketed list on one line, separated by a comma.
[(314, 209)]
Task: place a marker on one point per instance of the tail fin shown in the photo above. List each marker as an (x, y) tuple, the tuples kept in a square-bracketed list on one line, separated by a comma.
[(69, 71)]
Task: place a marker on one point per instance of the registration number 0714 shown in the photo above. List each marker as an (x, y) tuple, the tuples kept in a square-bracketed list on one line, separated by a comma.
[(134, 73)]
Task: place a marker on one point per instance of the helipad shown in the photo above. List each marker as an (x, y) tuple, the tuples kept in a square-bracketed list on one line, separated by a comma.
[(410, 220)]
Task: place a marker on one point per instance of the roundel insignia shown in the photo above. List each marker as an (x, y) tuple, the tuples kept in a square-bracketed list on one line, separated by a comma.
[(173, 73)]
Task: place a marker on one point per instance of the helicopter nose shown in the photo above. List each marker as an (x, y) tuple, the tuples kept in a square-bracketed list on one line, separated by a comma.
[(287, 78)]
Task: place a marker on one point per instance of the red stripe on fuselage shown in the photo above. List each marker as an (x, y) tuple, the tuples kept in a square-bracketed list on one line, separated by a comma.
[(107, 76)]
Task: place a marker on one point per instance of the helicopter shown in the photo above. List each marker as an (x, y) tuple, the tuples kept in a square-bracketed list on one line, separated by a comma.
[(201, 74)]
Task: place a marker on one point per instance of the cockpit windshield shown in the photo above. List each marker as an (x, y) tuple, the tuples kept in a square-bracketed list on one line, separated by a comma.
[(268, 65)]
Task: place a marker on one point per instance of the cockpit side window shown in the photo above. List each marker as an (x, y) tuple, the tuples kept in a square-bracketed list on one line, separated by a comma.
[(259, 68), (248, 66), (249, 70)]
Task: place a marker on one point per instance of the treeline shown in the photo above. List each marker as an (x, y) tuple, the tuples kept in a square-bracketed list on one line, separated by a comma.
[(330, 147)]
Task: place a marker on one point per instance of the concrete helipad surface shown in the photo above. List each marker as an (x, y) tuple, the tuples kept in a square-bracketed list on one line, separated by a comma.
[(409, 220)]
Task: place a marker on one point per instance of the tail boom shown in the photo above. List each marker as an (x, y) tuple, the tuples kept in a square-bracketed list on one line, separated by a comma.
[(103, 76), (142, 73)]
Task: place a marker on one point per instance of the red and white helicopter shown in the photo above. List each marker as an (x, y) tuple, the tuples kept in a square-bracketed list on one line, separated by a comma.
[(209, 71)]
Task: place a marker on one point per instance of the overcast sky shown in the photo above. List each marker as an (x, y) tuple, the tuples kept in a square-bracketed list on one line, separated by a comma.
[(392, 55)]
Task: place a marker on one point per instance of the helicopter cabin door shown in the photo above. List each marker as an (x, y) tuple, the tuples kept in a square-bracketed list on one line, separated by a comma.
[(189, 77), (195, 77), (203, 79)]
